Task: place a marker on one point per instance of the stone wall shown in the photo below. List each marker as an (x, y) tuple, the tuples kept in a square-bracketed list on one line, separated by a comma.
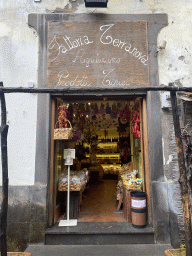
[(26, 216)]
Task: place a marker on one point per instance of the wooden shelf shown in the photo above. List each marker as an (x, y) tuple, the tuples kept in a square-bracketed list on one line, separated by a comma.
[(109, 165), (100, 144), (107, 155)]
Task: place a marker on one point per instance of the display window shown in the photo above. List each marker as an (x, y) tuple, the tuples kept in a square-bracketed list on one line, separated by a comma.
[(107, 136)]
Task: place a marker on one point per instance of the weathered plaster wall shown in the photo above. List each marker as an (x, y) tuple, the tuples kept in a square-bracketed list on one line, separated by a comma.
[(19, 62), (175, 60), (19, 66)]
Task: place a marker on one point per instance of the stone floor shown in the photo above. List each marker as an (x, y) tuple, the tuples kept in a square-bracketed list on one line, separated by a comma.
[(100, 204)]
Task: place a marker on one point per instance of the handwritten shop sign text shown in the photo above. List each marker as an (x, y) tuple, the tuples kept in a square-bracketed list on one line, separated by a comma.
[(97, 54)]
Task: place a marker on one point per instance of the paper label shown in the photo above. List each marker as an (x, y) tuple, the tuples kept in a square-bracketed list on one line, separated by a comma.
[(138, 203)]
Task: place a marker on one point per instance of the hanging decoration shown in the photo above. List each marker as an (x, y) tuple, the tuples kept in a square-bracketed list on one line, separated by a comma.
[(94, 117), (108, 109), (124, 118), (88, 111), (70, 112), (104, 114), (136, 124), (92, 106), (124, 151), (102, 109), (114, 111), (62, 116), (63, 128), (76, 136), (78, 112), (82, 109), (90, 134), (125, 113), (96, 111), (126, 154), (119, 105)]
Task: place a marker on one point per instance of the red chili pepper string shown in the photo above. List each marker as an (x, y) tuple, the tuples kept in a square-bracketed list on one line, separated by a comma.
[(136, 125), (62, 116)]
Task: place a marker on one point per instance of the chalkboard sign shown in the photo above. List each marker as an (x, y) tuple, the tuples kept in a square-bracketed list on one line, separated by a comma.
[(97, 54)]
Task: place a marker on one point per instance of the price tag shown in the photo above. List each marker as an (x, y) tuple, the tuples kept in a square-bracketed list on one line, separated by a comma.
[(138, 203)]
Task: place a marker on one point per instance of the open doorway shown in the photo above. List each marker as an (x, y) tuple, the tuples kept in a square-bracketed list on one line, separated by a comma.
[(110, 158)]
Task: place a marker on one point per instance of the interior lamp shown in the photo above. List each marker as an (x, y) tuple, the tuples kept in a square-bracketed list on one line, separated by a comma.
[(96, 3)]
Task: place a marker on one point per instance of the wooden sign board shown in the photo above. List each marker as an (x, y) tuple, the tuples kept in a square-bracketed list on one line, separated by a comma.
[(97, 54)]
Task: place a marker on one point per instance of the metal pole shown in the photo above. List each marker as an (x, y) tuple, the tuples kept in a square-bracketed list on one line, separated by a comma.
[(68, 193), (4, 204), (95, 91), (183, 177)]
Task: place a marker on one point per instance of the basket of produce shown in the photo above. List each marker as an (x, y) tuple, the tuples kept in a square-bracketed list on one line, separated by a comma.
[(126, 168), (132, 184), (63, 128), (63, 133), (125, 177), (78, 181)]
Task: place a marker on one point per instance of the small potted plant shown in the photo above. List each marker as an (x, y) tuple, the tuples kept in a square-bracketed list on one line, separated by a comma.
[(177, 252)]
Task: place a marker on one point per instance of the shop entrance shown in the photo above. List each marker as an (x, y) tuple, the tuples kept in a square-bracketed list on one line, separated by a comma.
[(109, 138)]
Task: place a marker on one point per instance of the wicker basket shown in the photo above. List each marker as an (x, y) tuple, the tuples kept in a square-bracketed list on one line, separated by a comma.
[(73, 187), (132, 187), (63, 133)]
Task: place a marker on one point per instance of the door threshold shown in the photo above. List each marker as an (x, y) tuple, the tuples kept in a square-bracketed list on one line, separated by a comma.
[(99, 233)]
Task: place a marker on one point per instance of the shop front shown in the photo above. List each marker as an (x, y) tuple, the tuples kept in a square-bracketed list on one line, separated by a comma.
[(117, 134), (107, 131), (108, 138)]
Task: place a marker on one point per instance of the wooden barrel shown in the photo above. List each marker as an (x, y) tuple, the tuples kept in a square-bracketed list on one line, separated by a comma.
[(138, 209)]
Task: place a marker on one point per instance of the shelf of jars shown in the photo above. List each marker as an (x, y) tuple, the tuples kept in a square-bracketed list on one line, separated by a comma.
[(104, 147), (105, 158), (107, 153), (110, 162), (111, 168)]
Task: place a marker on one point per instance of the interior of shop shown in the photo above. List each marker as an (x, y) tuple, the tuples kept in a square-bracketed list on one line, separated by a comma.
[(107, 138)]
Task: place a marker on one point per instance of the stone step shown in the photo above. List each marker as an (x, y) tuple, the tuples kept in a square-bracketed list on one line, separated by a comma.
[(98, 233)]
